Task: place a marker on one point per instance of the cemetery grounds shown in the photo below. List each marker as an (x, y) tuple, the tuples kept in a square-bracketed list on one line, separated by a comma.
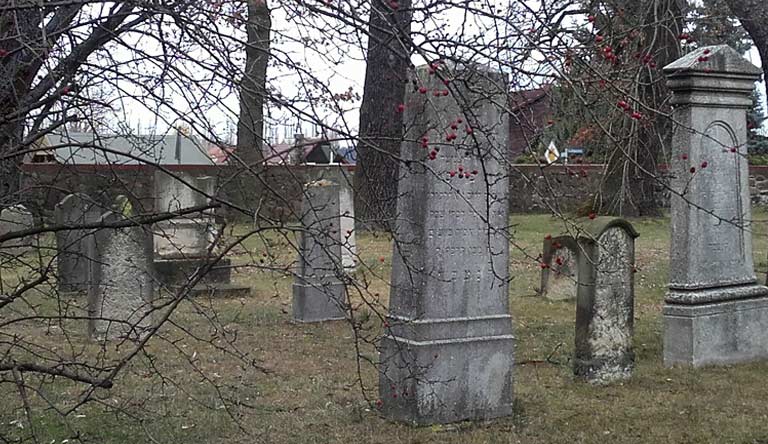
[(306, 387)]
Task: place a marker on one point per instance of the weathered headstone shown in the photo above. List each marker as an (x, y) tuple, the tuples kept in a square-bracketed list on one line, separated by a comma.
[(343, 176), (606, 300), (318, 292), (558, 275), (121, 295), (12, 219), (447, 351), (74, 246), (189, 235), (715, 312)]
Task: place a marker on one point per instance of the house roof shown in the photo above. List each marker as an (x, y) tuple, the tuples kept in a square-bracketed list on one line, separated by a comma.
[(525, 98), (91, 148)]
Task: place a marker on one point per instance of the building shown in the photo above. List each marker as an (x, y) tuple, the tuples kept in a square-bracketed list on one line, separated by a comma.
[(530, 111)]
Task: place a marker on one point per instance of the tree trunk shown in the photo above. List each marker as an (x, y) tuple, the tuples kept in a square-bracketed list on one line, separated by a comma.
[(248, 157), (631, 183), (753, 15), (381, 124), (250, 127)]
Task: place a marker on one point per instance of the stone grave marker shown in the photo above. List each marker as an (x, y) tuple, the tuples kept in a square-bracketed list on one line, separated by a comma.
[(447, 350), (121, 295), (12, 219), (318, 292), (605, 302), (74, 246), (714, 312), (343, 176), (559, 275)]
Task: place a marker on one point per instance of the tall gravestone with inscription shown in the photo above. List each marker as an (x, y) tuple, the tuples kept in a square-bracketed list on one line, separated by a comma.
[(447, 351), (605, 302), (715, 312), (74, 245), (318, 292), (121, 294)]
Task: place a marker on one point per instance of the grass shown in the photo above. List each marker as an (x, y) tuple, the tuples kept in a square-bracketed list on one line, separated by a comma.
[(306, 390)]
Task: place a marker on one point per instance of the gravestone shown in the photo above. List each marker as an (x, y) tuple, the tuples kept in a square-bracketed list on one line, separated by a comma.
[(184, 245), (12, 219), (558, 277), (318, 292), (605, 302), (447, 350), (343, 176), (73, 246), (185, 236), (121, 295), (714, 312)]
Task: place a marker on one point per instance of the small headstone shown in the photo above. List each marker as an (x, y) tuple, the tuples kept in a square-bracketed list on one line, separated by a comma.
[(74, 246), (13, 219), (187, 236), (121, 295), (559, 274), (447, 350), (182, 190), (715, 312), (605, 303), (318, 292)]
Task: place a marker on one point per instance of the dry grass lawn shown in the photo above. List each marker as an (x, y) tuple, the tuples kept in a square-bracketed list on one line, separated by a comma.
[(306, 387)]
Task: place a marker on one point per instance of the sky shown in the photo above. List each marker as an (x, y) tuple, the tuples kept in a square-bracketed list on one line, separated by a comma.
[(336, 70)]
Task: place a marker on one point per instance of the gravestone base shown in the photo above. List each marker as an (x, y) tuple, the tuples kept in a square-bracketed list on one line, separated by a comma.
[(220, 290), (176, 272), (603, 371), (436, 381), (725, 332), (319, 302)]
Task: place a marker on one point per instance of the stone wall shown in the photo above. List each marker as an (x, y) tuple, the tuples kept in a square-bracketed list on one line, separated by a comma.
[(533, 188)]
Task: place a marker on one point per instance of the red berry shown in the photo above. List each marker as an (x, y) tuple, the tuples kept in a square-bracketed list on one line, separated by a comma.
[(400, 107), (459, 120), (379, 403), (591, 19), (592, 215), (445, 92), (381, 258), (733, 149), (599, 38), (622, 104), (636, 115), (469, 130), (704, 164), (65, 90), (559, 260), (3, 53), (461, 168), (543, 266), (423, 90), (548, 237), (693, 170), (454, 126), (475, 172), (446, 82), (706, 51), (451, 173), (703, 58), (684, 157)]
